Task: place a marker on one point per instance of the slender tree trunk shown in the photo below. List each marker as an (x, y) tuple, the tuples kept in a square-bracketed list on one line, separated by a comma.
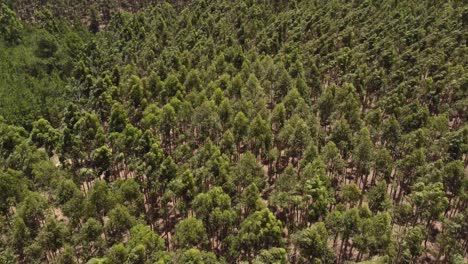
[(350, 255), (334, 240)]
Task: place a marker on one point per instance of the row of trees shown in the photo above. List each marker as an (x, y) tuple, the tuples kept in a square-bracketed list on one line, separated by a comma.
[(246, 131)]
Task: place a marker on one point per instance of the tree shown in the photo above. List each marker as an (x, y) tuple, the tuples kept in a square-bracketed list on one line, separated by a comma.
[(416, 117), (278, 118), (20, 236), (66, 190), (363, 154), (250, 199), (236, 86), (342, 136), (292, 101), (272, 255), (152, 163), (332, 158), (458, 143), (225, 112), (136, 91), (118, 254), (295, 135), (129, 194), (391, 132), (24, 157), (283, 82), (381, 232), (214, 209), (260, 230), (137, 255), (454, 178), (302, 88), (184, 186), (153, 85), (451, 239), (195, 256), (193, 81), (90, 238), (227, 143), (32, 210), (8, 257), (240, 128), (348, 105), (206, 120), (11, 189), (172, 86), (326, 104), (44, 135), (67, 256), (310, 154), (217, 96), (312, 77), (412, 244), (11, 26), (118, 119), (99, 200), (35, 252), (248, 171), (53, 235), (429, 201), (383, 163), (378, 198), (10, 137), (150, 116), (350, 226), (120, 221), (408, 166), (252, 90), (168, 170), (189, 233), (46, 175), (102, 158), (350, 193), (260, 135), (167, 122), (313, 244), (143, 235), (316, 186), (286, 197)]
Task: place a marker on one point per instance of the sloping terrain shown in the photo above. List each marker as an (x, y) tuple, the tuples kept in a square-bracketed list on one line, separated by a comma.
[(218, 131)]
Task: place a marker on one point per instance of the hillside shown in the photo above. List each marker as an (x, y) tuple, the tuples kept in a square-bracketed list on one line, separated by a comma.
[(214, 131)]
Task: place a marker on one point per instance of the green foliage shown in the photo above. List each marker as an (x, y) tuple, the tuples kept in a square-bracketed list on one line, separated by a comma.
[(429, 200), (233, 131), (272, 256), (214, 209), (261, 230), (412, 244), (37, 65), (44, 135), (12, 187), (11, 26), (189, 233), (142, 235), (313, 244), (195, 256), (378, 197)]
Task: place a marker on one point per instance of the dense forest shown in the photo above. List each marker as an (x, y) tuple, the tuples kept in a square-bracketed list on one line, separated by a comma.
[(217, 131)]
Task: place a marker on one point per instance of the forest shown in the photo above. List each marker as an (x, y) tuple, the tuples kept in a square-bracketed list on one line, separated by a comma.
[(249, 131)]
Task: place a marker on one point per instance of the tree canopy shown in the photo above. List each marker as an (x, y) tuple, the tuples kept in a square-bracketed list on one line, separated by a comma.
[(233, 131)]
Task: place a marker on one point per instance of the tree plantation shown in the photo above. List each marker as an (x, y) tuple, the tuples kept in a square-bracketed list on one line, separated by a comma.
[(217, 131)]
